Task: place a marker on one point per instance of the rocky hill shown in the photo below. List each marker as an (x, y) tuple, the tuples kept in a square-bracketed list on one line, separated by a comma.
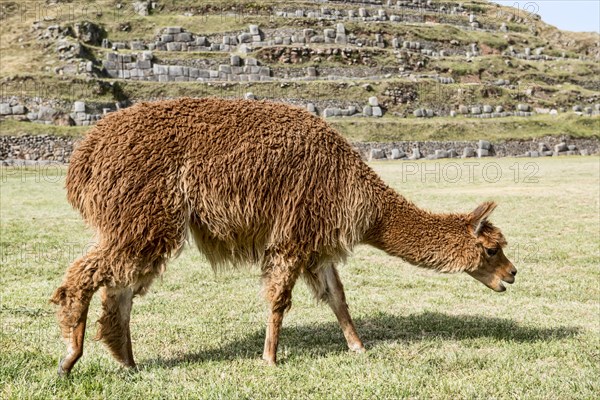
[(379, 70)]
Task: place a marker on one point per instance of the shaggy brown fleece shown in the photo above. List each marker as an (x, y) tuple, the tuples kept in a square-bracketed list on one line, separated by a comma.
[(255, 182)]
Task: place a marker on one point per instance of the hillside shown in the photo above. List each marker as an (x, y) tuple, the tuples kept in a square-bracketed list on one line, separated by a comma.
[(379, 70)]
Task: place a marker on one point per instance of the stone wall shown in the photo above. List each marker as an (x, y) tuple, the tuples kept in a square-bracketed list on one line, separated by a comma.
[(64, 114), (141, 66), (546, 146), (28, 149), (177, 39)]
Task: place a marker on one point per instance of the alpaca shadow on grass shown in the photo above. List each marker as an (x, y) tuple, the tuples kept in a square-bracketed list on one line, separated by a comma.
[(323, 339)]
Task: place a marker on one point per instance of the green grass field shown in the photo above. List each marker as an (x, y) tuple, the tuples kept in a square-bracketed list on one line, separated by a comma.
[(198, 334)]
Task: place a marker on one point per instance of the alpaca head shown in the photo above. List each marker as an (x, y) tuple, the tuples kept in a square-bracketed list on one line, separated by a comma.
[(492, 267)]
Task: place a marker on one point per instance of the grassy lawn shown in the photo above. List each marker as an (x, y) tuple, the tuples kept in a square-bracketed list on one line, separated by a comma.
[(198, 334)]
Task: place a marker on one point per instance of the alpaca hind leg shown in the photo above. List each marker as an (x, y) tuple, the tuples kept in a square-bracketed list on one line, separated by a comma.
[(113, 325), (327, 286), (279, 283), (81, 281)]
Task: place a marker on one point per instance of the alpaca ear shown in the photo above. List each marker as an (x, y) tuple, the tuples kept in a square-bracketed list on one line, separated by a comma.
[(479, 216)]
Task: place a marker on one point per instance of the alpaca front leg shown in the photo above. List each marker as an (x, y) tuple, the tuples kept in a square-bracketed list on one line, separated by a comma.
[(272, 337), (114, 328), (75, 346), (73, 297), (337, 301), (280, 281)]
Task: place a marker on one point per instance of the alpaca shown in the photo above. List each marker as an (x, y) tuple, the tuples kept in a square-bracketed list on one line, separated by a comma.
[(254, 182)]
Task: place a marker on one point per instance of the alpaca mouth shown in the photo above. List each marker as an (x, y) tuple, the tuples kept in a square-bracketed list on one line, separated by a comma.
[(499, 288)]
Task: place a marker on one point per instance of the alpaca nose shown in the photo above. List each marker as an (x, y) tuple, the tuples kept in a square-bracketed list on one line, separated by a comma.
[(513, 271)]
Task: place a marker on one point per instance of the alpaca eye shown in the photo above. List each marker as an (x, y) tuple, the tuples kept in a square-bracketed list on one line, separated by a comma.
[(491, 252)]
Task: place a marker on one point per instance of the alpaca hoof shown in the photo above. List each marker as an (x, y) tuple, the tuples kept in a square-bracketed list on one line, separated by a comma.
[(130, 365), (357, 348), (269, 362), (62, 372)]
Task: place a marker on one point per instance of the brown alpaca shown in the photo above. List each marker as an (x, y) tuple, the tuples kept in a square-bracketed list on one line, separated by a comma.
[(257, 183)]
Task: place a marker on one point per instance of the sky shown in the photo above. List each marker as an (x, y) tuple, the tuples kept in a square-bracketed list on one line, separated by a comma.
[(570, 15)]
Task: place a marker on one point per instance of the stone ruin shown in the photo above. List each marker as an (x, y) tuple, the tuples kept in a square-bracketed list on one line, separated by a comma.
[(141, 66)]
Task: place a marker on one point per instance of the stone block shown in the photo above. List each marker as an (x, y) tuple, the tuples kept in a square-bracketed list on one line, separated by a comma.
[(441, 154), (18, 109), (183, 37), (253, 29), (245, 38), (137, 45), (483, 153), (109, 64), (160, 69), (377, 154), (340, 39), (308, 33), (484, 144), (143, 64), (225, 68), (174, 46), (175, 70), (79, 106), (331, 112), (416, 154), (560, 147), (377, 112), (468, 152), (172, 30), (265, 71), (397, 154), (373, 101)]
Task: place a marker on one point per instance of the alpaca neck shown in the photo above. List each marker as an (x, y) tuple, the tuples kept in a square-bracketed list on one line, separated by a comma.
[(419, 237)]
